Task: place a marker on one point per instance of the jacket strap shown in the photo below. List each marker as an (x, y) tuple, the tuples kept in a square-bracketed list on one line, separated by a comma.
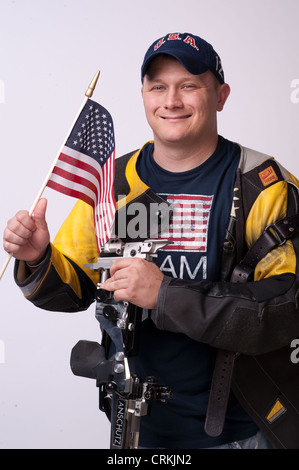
[(274, 235), (219, 393)]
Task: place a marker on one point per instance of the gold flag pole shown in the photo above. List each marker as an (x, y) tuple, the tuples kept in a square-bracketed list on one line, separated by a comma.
[(88, 94)]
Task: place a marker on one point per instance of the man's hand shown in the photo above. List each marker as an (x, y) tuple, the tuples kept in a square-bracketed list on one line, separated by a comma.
[(136, 280), (27, 237)]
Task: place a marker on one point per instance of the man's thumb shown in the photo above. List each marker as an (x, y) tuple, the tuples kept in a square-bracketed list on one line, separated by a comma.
[(40, 213)]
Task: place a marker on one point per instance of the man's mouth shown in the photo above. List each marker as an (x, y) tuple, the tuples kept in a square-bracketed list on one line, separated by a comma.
[(176, 118)]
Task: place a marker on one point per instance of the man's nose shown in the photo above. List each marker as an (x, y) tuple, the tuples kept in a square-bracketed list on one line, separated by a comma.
[(173, 99)]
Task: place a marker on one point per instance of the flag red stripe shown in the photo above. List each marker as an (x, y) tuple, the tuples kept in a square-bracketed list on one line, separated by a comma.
[(79, 164), (107, 195), (189, 239), (70, 192), (191, 211), (182, 206), (76, 179), (187, 222), (183, 248), (188, 197), (187, 230)]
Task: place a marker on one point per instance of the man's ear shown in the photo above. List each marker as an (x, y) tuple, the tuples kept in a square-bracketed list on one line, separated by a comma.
[(223, 94)]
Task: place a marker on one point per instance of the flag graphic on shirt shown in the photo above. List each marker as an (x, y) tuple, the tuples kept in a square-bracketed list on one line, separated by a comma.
[(188, 227), (85, 167)]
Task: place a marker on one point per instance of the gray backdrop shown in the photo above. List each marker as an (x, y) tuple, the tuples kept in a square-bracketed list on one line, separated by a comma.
[(49, 51)]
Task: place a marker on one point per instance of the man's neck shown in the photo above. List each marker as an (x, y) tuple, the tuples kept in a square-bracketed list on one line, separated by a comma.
[(176, 159)]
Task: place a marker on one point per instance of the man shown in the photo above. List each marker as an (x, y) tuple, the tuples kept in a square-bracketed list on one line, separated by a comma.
[(198, 306)]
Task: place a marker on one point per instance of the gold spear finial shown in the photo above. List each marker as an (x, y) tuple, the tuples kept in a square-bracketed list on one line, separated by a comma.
[(92, 85)]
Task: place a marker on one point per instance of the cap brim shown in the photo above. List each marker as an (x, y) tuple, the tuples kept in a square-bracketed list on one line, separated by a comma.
[(195, 69)]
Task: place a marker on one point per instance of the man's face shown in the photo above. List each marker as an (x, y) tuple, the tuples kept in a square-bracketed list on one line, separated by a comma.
[(181, 108)]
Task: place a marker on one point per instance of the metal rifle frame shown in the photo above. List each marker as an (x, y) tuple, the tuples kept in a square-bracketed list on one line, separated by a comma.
[(123, 395)]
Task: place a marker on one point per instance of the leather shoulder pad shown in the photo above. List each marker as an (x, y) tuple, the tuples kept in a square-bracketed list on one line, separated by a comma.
[(121, 185)]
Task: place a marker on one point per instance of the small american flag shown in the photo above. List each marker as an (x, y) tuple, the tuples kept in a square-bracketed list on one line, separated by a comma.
[(188, 228), (85, 167)]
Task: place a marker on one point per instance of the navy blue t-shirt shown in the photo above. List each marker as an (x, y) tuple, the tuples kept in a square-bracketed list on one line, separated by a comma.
[(202, 200)]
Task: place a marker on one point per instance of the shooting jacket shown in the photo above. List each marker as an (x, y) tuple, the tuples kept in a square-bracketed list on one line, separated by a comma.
[(257, 319)]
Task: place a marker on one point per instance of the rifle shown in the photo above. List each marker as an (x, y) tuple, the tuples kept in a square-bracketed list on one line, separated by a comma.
[(122, 394)]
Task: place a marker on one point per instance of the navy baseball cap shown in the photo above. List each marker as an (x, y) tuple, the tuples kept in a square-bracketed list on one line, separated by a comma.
[(193, 52)]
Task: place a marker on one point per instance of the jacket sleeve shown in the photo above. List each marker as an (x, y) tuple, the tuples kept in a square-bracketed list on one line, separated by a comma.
[(251, 318), (63, 282)]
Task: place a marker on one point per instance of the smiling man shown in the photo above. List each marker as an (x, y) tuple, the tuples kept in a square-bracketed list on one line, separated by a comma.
[(216, 314), (181, 108)]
